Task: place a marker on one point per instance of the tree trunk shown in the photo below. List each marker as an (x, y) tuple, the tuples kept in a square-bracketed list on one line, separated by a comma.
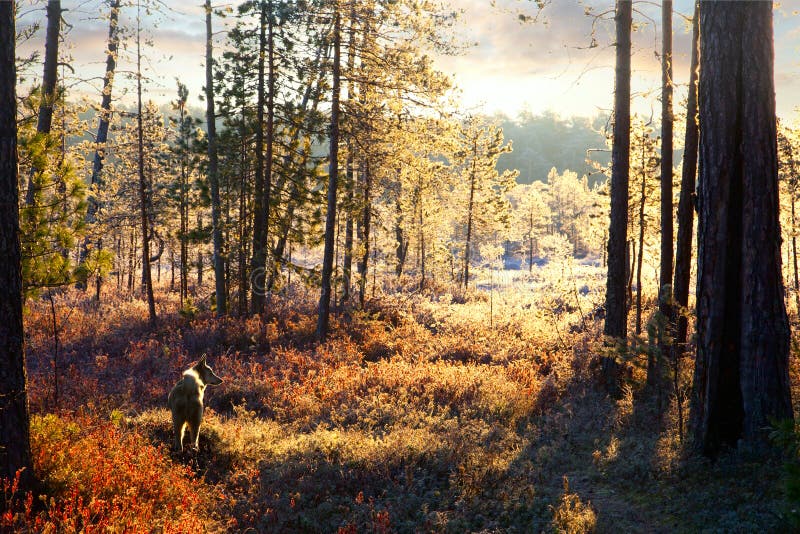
[(421, 238), (131, 261), (665, 279), (350, 183), (741, 371), (242, 225), (49, 79), (530, 242), (639, 259), (683, 251), (333, 178), (794, 253), (402, 245), (213, 170), (365, 228), (260, 207), (347, 263), (105, 118), (15, 447), (147, 281), (616, 313), (470, 207)]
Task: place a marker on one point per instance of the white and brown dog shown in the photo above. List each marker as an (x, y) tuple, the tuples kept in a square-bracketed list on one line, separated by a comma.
[(186, 401)]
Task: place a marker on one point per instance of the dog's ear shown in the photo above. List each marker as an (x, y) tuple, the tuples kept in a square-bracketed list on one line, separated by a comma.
[(202, 359)]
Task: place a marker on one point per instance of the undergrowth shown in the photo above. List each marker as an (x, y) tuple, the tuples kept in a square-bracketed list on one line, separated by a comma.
[(437, 411)]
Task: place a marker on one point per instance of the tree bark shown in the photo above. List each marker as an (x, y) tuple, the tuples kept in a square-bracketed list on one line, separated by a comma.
[(470, 207), (333, 178), (640, 256), (147, 280), (616, 312), (263, 165), (213, 170), (15, 448), (49, 79), (683, 257), (741, 370), (105, 117), (365, 228), (666, 159), (347, 262)]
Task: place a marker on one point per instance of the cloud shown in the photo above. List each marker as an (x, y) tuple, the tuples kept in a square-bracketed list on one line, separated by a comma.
[(544, 65), (552, 63)]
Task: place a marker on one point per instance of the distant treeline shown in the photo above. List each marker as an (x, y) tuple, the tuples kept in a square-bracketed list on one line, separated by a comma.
[(542, 142)]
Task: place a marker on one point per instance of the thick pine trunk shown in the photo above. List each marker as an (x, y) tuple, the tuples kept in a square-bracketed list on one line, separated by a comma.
[(333, 179), (15, 448), (213, 170), (741, 371), (683, 251), (616, 310)]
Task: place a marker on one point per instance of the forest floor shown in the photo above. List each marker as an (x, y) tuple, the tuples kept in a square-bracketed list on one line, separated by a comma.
[(435, 411)]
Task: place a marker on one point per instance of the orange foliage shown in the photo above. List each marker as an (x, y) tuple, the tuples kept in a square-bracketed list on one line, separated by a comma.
[(100, 478)]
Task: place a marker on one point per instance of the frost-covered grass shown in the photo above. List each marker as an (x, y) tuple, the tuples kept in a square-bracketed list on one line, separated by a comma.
[(441, 410)]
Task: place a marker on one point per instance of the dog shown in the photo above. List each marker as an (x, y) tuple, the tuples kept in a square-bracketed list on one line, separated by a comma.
[(186, 402)]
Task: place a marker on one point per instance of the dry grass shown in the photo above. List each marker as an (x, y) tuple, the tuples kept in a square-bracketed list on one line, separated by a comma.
[(436, 412)]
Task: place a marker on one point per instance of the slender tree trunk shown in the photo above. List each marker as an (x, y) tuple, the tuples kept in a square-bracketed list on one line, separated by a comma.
[(347, 263), (200, 269), (741, 370), (666, 159), (365, 228), (184, 237), (242, 225), (147, 281), (639, 257), (15, 447), (131, 260), (333, 177), (683, 257), (105, 119), (258, 261), (530, 242), (656, 368), (213, 170), (794, 253), (616, 313), (421, 238), (49, 80), (263, 180), (119, 260), (402, 245), (470, 207), (283, 237), (171, 269)]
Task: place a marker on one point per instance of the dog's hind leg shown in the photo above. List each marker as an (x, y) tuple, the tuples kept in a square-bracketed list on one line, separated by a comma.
[(193, 422), (177, 431)]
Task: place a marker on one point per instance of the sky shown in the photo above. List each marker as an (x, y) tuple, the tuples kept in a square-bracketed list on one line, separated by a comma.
[(510, 67)]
